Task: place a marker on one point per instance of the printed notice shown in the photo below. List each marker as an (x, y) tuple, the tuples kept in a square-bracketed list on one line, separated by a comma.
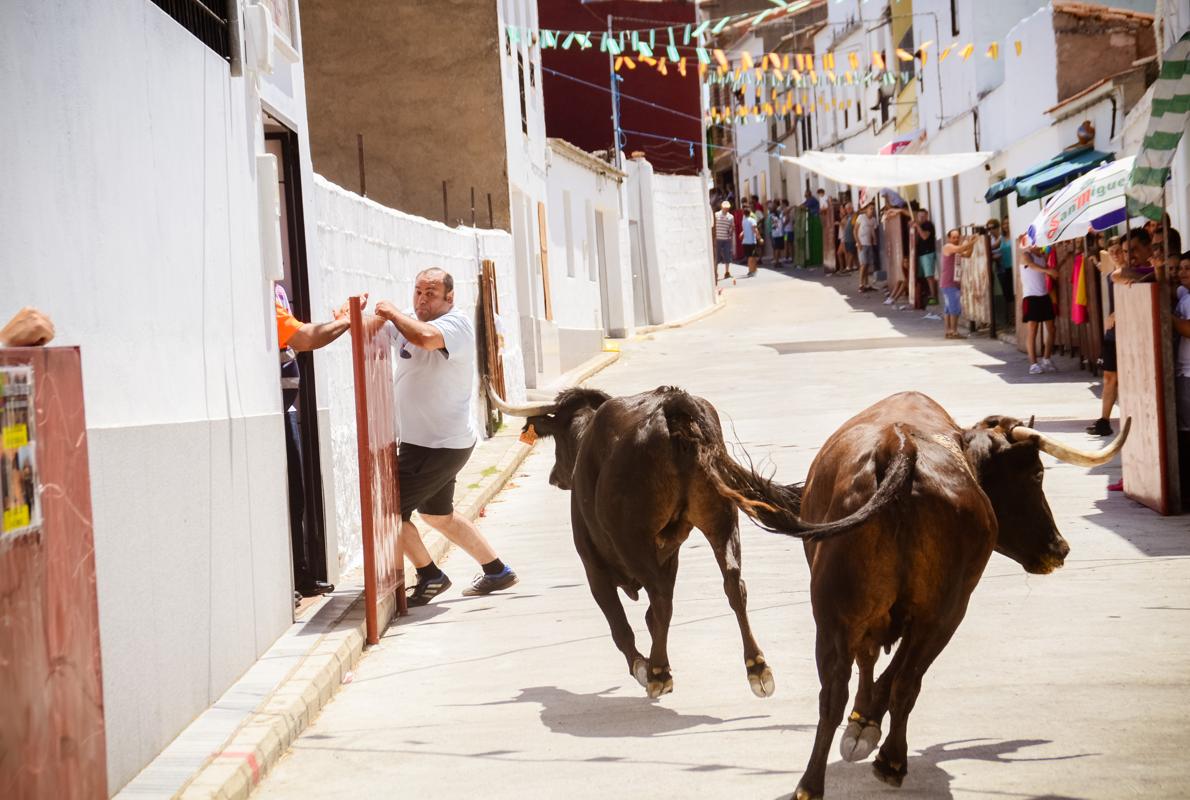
[(19, 489)]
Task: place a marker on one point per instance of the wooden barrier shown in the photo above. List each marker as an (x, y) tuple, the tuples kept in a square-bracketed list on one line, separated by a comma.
[(975, 282), (52, 741), (372, 348), (1144, 349)]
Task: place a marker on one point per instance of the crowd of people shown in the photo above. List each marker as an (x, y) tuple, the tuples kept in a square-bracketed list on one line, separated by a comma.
[(856, 237)]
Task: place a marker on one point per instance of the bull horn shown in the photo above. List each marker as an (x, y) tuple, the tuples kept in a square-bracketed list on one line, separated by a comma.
[(527, 410), (1074, 455)]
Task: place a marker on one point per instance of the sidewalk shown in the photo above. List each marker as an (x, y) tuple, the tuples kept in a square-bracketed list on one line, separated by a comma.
[(227, 749)]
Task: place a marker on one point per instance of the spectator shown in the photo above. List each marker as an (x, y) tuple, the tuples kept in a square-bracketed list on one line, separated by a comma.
[(724, 239), (952, 304), (811, 204), (927, 257), (295, 336), (434, 385), (1000, 250), (1037, 309), (751, 241), (851, 259), (27, 328), (787, 230), (865, 235), (761, 218), (777, 231)]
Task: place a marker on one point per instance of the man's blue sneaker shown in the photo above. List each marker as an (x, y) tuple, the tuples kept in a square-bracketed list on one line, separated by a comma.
[(486, 584), (426, 590)]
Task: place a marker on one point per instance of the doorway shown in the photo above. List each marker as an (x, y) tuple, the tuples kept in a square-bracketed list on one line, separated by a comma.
[(283, 144)]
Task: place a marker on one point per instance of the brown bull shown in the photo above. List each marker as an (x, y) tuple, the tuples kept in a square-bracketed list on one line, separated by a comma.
[(908, 573), (645, 470)]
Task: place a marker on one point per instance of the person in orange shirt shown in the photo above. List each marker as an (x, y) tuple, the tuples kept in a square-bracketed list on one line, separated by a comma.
[(293, 337)]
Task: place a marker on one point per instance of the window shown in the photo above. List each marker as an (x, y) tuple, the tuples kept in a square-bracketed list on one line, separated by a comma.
[(206, 19), (520, 66)]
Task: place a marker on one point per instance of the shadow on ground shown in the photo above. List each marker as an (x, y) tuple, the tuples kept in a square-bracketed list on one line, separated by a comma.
[(926, 776), (604, 715)]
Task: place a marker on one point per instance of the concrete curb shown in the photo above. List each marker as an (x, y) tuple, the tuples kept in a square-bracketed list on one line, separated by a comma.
[(720, 303), (235, 769)]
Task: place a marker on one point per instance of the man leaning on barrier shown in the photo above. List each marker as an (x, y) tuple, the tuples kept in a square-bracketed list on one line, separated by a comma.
[(434, 386)]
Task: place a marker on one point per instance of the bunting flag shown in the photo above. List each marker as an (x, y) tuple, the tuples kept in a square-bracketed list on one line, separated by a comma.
[(967, 51), (1167, 122)]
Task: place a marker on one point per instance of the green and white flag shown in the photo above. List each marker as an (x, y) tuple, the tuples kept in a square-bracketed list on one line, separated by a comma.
[(1167, 122)]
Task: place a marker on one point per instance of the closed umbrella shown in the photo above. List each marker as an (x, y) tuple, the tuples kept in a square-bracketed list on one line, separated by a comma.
[(1094, 202)]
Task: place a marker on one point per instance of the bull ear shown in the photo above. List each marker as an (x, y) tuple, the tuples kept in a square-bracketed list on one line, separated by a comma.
[(544, 425), (1032, 419)]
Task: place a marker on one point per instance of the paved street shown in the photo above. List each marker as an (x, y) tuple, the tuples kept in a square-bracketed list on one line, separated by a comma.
[(1065, 686)]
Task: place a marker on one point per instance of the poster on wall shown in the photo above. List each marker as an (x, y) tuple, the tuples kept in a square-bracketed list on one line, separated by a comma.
[(19, 492)]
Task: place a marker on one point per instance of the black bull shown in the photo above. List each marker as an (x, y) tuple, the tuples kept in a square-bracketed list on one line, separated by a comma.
[(645, 470)]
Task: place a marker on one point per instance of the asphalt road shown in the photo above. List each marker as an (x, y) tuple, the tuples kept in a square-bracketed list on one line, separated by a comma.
[(1072, 685)]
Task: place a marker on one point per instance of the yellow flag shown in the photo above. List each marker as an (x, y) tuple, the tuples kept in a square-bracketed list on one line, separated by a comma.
[(1017, 44), (722, 59), (967, 51), (768, 108), (946, 52), (850, 78), (797, 109), (628, 62), (746, 60), (682, 66), (853, 59), (877, 60), (661, 67), (924, 50), (785, 63), (801, 62), (828, 61), (619, 63), (780, 75), (993, 51), (904, 55)]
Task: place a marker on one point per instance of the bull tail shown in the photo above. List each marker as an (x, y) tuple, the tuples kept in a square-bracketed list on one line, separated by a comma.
[(777, 508)]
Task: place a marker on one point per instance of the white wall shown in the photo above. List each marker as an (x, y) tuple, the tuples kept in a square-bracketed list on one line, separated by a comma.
[(366, 247), (130, 216), (586, 303), (675, 224)]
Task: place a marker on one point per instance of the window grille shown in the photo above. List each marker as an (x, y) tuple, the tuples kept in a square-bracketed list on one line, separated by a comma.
[(206, 19)]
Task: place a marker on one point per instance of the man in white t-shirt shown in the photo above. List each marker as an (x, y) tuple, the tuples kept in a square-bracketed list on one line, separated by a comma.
[(434, 385)]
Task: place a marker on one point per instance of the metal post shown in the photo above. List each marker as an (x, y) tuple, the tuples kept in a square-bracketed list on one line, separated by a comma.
[(363, 185), (611, 69)]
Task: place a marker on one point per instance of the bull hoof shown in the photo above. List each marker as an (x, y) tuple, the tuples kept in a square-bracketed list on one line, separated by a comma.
[(760, 678), (640, 671), (859, 740), (661, 682), (889, 773), (805, 794)]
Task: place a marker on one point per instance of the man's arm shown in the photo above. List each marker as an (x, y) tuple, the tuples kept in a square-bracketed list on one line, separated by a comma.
[(1182, 326), (421, 334), (313, 335)]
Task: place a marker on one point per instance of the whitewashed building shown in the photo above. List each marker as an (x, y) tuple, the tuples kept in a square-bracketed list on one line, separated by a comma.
[(140, 212)]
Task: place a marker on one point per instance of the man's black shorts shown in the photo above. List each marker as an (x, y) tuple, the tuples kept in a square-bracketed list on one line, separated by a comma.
[(1107, 357), (1037, 308), (427, 476)]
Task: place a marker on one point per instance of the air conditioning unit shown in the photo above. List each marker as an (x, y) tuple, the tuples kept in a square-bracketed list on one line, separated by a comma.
[(258, 38)]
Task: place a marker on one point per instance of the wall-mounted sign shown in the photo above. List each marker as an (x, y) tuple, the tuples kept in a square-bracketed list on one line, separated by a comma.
[(19, 487)]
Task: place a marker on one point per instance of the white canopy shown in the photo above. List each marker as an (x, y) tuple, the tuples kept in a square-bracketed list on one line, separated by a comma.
[(887, 170)]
